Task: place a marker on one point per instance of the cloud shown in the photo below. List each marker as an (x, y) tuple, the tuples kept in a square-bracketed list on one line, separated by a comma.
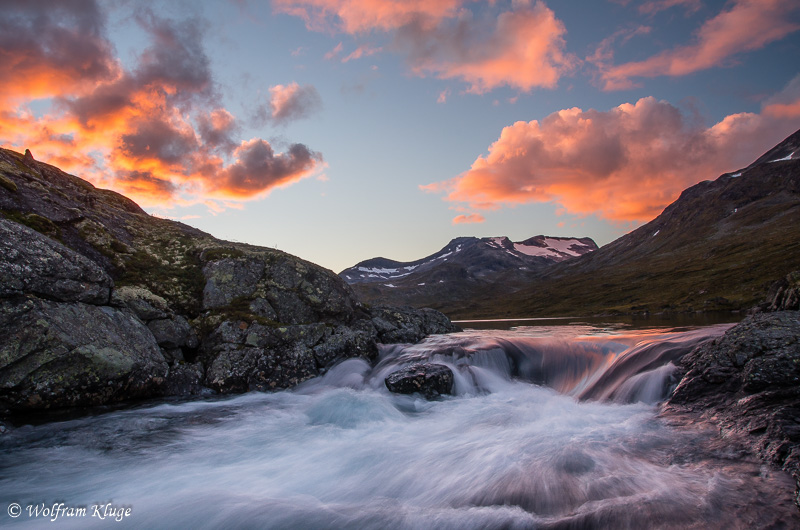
[(50, 43), (786, 104), (293, 102), (744, 26), (521, 47), (443, 95), (467, 219), (332, 54), (654, 6), (624, 165), (155, 131), (258, 169), (365, 50), (363, 16)]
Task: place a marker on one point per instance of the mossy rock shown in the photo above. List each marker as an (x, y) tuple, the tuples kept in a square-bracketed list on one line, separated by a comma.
[(8, 184)]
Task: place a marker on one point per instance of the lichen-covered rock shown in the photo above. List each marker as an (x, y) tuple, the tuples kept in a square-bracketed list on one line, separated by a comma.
[(188, 312), (276, 287), (429, 379), (145, 305), (406, 324), (74, 354), (748, 382), (251, 356), (228, 279), (185, 379), (31, 263)]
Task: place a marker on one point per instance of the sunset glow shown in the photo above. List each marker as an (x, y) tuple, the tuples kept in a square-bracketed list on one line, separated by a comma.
[(426, 120)]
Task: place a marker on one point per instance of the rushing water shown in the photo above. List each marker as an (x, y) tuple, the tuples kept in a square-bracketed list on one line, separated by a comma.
[(549, 428)]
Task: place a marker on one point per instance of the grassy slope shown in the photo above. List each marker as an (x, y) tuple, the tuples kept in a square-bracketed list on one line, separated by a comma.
[(718, 248)]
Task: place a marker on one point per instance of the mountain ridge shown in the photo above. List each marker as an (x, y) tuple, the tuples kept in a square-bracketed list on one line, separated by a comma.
[(461, 264), (717, 247)]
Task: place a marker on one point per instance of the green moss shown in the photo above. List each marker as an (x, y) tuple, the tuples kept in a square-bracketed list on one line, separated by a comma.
[(41, 224), (8, 184), (119, 247), (180, 282), (214, 254)]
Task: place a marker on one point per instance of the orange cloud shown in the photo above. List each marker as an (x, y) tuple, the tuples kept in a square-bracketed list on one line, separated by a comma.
[(154, 132), (625, 164), (466, 219), (522, 48), (744, 26)]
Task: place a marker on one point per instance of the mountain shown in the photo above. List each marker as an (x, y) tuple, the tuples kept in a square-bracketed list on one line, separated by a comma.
[(101, 302), (717, 247), (461, 266)]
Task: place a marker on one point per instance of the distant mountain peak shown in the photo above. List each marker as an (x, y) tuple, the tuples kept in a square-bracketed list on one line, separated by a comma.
[(468, 258)]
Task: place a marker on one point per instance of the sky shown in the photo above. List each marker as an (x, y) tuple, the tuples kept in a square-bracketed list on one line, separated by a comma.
[(342, 130)]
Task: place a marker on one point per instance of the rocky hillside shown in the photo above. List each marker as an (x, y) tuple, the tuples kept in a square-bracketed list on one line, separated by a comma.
[(719, 246), (101, 302), (462, 266)]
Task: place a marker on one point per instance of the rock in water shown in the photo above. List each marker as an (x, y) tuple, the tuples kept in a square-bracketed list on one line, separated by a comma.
[(748, 382), (429, 379)]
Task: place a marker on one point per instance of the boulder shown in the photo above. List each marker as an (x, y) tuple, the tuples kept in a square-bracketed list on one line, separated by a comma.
[(175, 332), (409, 325), (57, 354), (245, 355), (145, 305), (429, 379), (748, 383), (31, 263)]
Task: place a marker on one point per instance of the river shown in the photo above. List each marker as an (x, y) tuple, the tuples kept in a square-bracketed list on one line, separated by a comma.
[(549, 427)]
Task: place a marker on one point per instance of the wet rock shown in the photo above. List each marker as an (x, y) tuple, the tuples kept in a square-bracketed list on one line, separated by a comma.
[(31, 263), (252, 356), (185, 379), (409, 325), (748, 382), (74, 354), (429, 379)]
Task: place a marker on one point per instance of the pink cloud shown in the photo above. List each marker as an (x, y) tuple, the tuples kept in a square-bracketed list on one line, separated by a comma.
[(624, 165), (332, 54), (467, 219), (291, 102), (364, 50), (745, 25), (521, 47), (362, 16)]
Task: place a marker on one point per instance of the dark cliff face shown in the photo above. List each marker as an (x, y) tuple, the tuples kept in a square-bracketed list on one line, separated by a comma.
[(101, 302)]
